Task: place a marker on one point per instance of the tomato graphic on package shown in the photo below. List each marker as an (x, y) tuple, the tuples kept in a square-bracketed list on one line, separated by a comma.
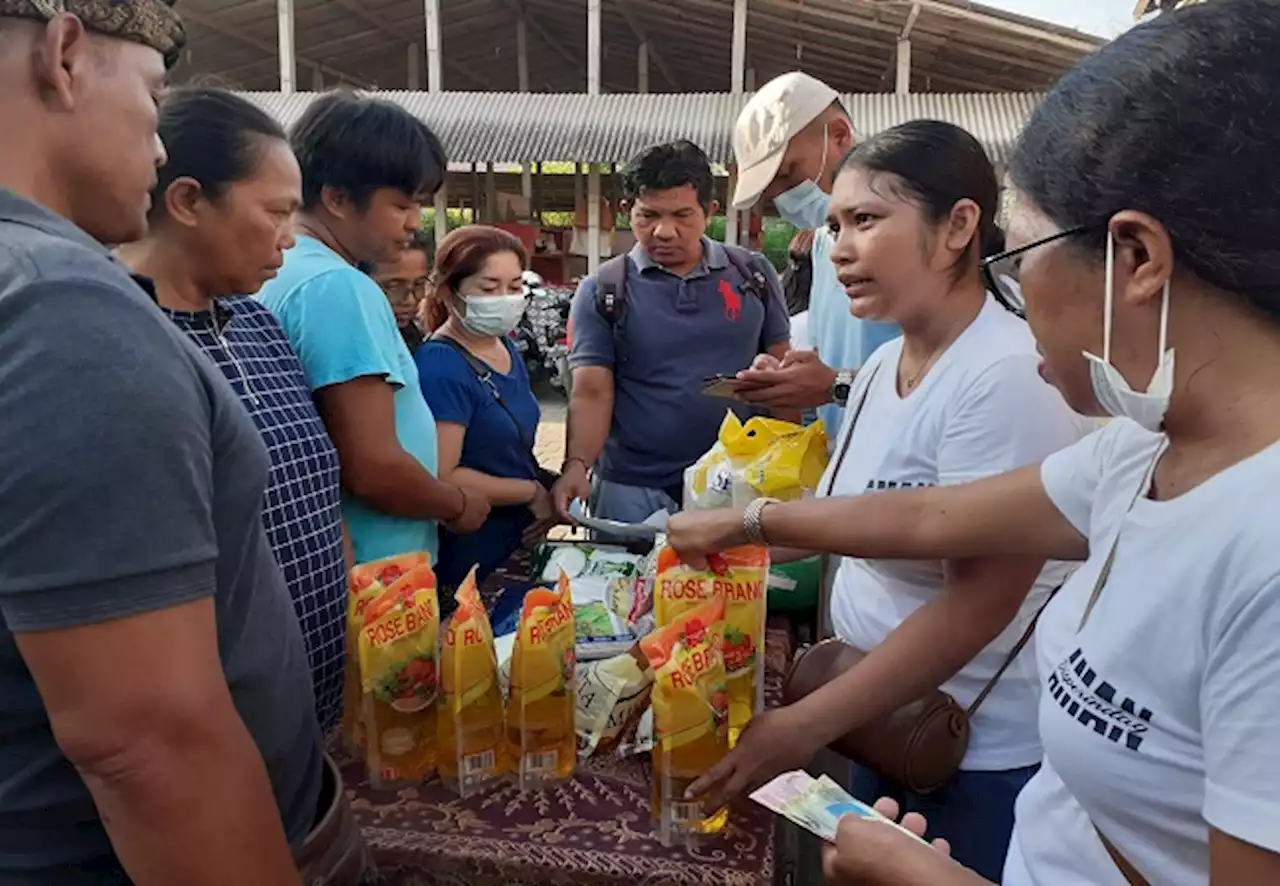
[(410, 688), (739, 650)]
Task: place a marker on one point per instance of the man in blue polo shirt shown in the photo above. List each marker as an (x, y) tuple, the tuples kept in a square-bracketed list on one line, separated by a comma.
[(646, 333)]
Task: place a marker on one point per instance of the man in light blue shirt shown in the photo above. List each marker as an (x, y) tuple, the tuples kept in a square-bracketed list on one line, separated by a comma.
[(789, 141), (367, 166)]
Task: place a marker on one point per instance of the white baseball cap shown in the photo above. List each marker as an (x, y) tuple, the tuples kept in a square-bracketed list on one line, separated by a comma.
[(774, 115)]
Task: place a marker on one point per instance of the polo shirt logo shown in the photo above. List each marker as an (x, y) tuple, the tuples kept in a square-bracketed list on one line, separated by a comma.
[(732, 301), (1096, 704)]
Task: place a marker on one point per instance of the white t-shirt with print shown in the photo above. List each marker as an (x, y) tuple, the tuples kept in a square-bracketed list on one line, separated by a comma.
[(1161, 715), (982, 410)]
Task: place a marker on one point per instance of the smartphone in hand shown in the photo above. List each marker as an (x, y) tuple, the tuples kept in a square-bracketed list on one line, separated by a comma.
[(723, 386)]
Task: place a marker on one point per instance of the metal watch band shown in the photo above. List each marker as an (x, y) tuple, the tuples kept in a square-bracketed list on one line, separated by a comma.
[(842, 388), (752, 526)]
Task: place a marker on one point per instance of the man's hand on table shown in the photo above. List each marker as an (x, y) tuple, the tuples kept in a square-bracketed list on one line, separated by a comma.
[(868, 853), (800, 380), (774, 742)]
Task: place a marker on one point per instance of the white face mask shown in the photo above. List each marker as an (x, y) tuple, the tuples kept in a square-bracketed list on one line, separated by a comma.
[(1111, 389), (806, 205), (492, 314)]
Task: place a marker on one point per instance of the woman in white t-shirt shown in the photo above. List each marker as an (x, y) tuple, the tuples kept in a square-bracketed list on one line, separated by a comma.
[(956, 398), (1148, 222)]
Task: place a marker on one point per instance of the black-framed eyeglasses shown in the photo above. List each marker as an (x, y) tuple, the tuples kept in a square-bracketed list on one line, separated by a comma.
[(1002, 271)]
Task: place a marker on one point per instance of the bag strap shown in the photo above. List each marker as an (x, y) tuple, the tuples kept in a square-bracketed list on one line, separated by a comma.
[(754, 282), (484, 374), (848, 437)]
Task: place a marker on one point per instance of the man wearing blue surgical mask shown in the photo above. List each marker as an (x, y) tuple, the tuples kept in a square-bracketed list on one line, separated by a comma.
[(788, 142)]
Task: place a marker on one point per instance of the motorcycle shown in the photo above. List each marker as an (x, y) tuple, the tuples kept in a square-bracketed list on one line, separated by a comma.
[(542, 336)]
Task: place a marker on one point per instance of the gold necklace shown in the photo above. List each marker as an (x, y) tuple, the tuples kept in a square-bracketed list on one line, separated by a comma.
[(910, 383)]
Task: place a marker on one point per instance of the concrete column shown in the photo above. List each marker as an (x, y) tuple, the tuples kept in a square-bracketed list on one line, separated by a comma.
[(593, 47), (903, 81), (477, 204), (522, 73), (731, 215), (642, 67), (593, 218), (431, 9), (413, 65), (284, 36), (434, 76), (490, 194), (739, 56)]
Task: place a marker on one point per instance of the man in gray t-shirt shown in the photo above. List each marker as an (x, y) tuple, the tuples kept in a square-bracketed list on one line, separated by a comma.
[(150, 660)]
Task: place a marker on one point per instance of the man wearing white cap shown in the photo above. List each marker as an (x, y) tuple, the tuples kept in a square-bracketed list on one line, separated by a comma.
[(788, 142)]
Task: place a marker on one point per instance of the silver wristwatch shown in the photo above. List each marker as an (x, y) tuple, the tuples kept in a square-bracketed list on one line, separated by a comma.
[(751, 520), (843, 385)]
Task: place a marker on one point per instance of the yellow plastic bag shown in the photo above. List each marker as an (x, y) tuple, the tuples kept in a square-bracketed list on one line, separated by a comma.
[(740, 576), (541, 735), (690, 717), (399, 675), (763, 457), (470, 741)]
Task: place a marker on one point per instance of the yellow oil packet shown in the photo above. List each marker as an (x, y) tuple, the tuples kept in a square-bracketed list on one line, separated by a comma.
[(399, 678), (470, 742), (741, 576), (690, 717), (540, 715), (366, 581)]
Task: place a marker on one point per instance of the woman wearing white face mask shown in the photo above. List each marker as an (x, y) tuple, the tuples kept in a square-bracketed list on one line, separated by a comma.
[(478, 388)]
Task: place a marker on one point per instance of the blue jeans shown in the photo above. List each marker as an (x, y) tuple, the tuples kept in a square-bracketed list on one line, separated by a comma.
[(973, 811)]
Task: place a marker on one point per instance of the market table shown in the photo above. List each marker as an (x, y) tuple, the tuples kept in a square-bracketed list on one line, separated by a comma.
[(593, 830)]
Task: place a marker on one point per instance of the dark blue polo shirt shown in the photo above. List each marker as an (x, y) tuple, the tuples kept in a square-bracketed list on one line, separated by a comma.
[(677, 332)]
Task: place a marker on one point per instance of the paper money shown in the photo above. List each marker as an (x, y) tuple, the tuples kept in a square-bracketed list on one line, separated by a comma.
[(817, 805)]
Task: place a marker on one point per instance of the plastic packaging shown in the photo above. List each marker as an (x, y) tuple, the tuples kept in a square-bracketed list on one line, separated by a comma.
[(366, 581), (740, 576), (399, 675), (471, 744), (690, 717), (540, 715), (765, 457), (612, 695)]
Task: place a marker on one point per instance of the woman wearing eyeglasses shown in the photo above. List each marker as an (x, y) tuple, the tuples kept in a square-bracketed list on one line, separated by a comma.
[(956, 398), (405, 283), (479, 390), (1147, 224)]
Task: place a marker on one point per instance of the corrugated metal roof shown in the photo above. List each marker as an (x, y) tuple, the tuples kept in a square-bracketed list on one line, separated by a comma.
[(511, 127)]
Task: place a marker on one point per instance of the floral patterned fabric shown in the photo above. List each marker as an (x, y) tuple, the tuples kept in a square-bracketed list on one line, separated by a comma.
[(593, 830)]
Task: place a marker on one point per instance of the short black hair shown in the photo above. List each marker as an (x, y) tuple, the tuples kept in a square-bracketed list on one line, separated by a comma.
[(1175, 118), (359, 145), (670, 165), (209, 135), (937, 164), (424, 243)]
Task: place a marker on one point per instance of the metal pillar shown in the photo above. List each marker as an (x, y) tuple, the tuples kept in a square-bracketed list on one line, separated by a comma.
[(737, 79), (284, 36), (593, 171), (431, 8), (522, 73)]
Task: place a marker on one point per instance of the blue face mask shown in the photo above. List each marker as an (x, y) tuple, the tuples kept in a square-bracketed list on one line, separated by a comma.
[(806, 205)]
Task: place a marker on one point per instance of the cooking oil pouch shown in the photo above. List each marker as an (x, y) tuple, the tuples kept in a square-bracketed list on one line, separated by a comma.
[(761, 457), (690, 716), (612, 694), (399, 676), (366, 581), (741, 576), (470, 743), (541, 737)]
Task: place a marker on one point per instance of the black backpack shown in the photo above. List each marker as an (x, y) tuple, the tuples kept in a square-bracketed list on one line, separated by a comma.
[(611, 288)]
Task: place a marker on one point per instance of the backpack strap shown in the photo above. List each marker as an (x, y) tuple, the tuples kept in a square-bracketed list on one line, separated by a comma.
[(754, 281), (611, 299), (747, 264)]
